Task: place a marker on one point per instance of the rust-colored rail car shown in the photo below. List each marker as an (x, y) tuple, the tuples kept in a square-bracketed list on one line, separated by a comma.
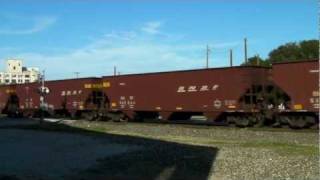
[(300, 80), (287, 93), (181, 94), (66, 97), (75, 95)]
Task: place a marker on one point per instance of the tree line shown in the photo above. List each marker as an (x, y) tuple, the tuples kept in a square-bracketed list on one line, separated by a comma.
[(292, 51)]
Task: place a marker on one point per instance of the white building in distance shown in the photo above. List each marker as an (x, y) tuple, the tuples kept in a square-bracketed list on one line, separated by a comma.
[(17, 74)]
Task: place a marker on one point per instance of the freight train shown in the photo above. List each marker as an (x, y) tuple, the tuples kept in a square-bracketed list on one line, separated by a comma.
[(284, 94)]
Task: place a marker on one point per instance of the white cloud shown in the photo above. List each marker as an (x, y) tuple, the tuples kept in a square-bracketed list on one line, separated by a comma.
[(121, 35), (99, 57), (152, 27), (130, 51), (38, 24)]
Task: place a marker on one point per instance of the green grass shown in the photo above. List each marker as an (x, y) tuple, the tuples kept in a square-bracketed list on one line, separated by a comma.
[(285, 148)]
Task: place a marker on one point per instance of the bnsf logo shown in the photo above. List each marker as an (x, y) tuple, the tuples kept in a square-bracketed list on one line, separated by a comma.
[(183, 89)]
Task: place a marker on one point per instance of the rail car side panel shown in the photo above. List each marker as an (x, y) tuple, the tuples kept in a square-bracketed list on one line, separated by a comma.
[(207, 90), (70, 94), (300, 80)]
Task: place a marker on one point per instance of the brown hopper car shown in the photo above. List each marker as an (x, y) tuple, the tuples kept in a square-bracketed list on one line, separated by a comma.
[(300, 80), (66, 98), (181, 94)]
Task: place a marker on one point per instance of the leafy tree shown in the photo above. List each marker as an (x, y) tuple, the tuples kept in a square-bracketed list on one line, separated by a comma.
[(292, 51), (304, 50), (310, 49), (257, 61)]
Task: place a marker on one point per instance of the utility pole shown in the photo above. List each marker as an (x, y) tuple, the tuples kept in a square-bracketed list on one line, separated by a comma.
[(77, 74), (42, 78), (27, 100), (115, 70), (258, 60), (231, 60), (42, 101), (245, 51), (43, 91), (208, 54)]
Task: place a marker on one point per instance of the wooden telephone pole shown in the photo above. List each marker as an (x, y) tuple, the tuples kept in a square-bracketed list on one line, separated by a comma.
[(115, 70), (245, 51), (231, 58), (208, 54), (77, 74)]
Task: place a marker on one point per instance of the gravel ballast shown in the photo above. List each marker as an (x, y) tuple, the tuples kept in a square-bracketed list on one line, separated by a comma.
[(248, 154)]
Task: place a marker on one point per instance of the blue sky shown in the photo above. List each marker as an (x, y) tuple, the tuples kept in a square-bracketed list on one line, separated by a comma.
[(91, 37)]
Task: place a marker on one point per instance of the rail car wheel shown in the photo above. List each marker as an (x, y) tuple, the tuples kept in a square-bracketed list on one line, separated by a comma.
[(90, 116), (124, 118), (284, 119), (242, 121), (297, 122), (259, 121), (115, 117), (311, 121), (231, 119)]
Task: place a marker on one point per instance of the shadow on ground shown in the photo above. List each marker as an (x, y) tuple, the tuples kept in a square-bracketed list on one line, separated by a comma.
[(156, 160)]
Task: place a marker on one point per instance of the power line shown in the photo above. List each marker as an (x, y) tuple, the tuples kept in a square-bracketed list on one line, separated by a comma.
[(77, 74)]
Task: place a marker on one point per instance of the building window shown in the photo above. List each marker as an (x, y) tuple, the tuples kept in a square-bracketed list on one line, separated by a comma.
[(27, 81), (14, 81), (27, 76)]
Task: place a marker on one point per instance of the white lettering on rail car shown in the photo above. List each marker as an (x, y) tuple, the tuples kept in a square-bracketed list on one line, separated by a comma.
[(181, 89), (194, 88), (314, 71), (204, 88), (217, 104), (71, 92), (125, 102), (314, 100), (215, 87)]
